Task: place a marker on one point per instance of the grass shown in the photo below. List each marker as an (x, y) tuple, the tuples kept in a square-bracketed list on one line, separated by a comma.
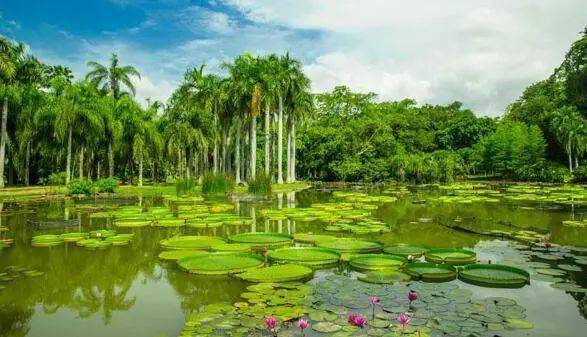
[(217, 184)]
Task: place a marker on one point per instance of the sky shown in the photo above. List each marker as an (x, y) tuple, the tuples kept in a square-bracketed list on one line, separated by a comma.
[(480, 52)]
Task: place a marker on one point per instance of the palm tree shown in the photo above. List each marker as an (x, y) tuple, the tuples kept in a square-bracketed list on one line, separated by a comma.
[(111, 78), (270, 86), (569, 128), (302, 107)]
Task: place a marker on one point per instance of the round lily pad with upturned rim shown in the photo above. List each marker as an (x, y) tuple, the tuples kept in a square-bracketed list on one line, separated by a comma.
[(384, 277), (173, 255), (405, 250), (494, 275), (277, 273), (350, 245), (312, 238), (262, 239), (313, 256), (220, 263), (232, 247), (94, 243), (46, 240), (450, 256), (191, 242), (377, 261), (431, 272), (73, 237)]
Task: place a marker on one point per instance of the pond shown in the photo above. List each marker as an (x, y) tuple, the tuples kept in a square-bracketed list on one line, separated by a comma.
[(117, 285)]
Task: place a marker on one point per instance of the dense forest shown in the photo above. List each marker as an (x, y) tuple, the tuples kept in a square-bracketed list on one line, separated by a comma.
[(259, 119)]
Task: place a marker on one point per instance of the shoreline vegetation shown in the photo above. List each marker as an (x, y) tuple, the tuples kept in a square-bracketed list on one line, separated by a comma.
[(259, 126)]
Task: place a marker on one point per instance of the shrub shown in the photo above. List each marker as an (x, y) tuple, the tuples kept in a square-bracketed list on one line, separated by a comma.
[(543, 171), (260, 185), (580, 175), (56, 179), (185, 186), (107, 185), (80, 186), (217, 183)]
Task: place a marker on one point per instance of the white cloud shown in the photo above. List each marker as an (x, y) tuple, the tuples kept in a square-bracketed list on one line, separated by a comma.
[(159, 90), (481, 52), (197, 18)]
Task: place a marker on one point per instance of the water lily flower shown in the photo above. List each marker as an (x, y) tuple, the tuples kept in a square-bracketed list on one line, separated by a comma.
[(412, 296), (374, 301), (270, 322), (303, 324), (357, 320), (404, 320)]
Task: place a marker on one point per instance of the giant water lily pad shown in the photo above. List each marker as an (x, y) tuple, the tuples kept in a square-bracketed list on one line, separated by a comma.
[(305, 255), (349, 245), (73, 237), (312, 238), (46, 240), (326, 327), (450, 256), (377, 261), (404, 250), (494, 275), (262, 239), (277, 273), (232, 247), (431, 272), (132, 223), (191, 242), (220, 263), (94, 243), (173, 255), (385, 277)]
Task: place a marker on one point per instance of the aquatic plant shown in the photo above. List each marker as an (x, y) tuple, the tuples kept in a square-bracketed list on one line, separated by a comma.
[(217, 184), (106, 185), (377, 261), (374, 300), (261, 184), (405, 250), (431, 272), (494, 275), (350, 245), (80, 187), (185, 186), (277, 273), (262, 239), (450, 256), (220, 263), (404, 320), (384, 277), (303, 324), (312, 256), (357, 320), (173, 255), (191, 242)]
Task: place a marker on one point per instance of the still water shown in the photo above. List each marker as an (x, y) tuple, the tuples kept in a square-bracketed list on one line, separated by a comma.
[(128, 291)]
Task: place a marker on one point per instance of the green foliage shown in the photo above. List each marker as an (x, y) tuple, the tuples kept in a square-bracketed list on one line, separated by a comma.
[(580, 175), (260, 185), (107, 185), (185, 186), (217, 184), (55, 179), (80, 187)]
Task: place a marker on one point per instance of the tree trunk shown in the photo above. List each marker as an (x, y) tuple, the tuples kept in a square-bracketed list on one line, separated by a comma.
[(244, 142), (267, 143), (98, 169), (27, 171), (141, 169), (187, 164), (81, 162), (253, 145), (68, 161), (110, 161), (280, 143), (288, 159), (576, 161), (3, 140), (293, 152), (153, 173), (215, 156), (570, 158), (237, 156), (225, 166)]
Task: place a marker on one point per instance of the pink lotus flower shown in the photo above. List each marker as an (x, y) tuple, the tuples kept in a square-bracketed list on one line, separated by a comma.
[(374, 300), (303, 324), (404, 320), (270, 322), (412, 296), (357, 320)]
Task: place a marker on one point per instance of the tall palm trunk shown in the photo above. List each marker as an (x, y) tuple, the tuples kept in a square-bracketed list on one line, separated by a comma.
[(569, 151), (3, 140), (28, 164), (215, 156), (153, 173), (81, 162), (98, 169), (293, 152), (187, 164), (224, 150), (237, 155), (141, 169), (280, 143), (68, 160), (267, 143), (288, 159), (253, 146), (110, 161)]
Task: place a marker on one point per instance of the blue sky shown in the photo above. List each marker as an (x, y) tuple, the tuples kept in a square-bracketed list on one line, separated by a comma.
[(481, 52)]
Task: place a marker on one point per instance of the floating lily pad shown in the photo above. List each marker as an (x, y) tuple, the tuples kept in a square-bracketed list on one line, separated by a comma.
[(232, 247), (431, 272), (513, 323), (384, 277), (94, 243), (551, 272), (312, 238), (191, 242), (451, 256), (569, 267), (313, 256), (102, 233), (349, 245), (404, 250), (220, 263), (377, 261), (132, 223), (173, 255), (277, 273), (73, 237), (262, 239), (326, 327), (120, 239), (46, 240), (494, 275)]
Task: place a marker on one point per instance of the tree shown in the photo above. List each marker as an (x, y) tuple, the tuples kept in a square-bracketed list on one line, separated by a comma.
[(570, 129), (111, 78)]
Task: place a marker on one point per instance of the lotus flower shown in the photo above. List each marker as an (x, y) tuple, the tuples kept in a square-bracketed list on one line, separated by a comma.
[(412, 296), (357, 320), (374, 300), (404, 320), (270, 322)]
